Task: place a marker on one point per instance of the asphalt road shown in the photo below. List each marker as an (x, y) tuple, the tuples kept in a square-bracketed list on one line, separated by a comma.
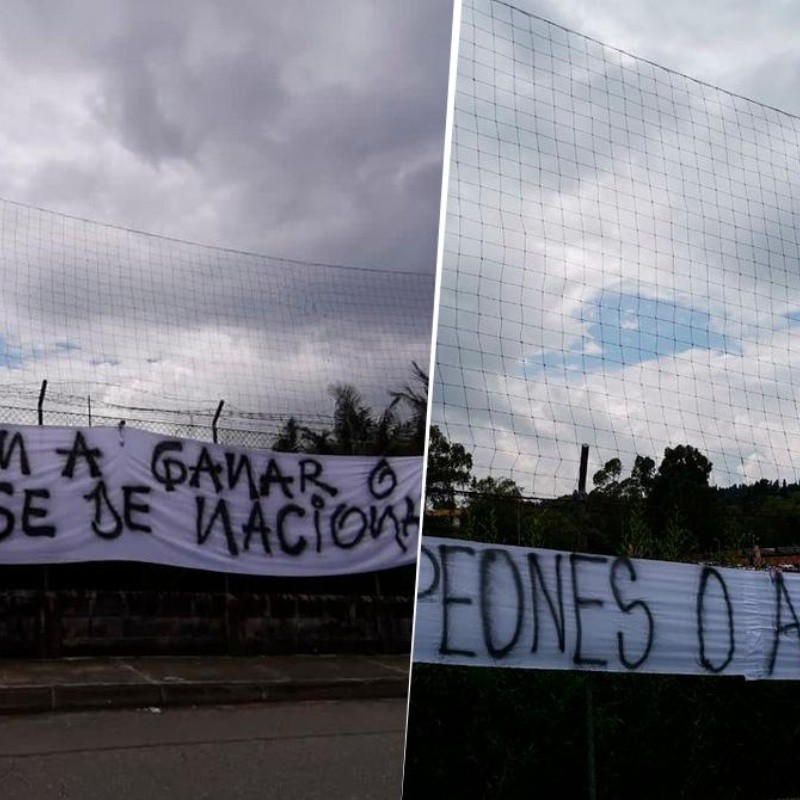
[(346, 749)]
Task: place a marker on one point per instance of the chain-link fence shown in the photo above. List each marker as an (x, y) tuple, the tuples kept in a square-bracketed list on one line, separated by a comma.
[(223, 424)]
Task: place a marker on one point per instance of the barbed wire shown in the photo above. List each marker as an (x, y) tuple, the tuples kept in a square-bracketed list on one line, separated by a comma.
[(135, 320)]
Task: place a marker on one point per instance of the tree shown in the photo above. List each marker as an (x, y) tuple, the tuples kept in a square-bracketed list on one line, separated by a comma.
[(680, 491), (642, 474), (607, 476), (449, 469), (493, 512), (635, 487), (353, 425), (615, 514), (415, 399), (387, 435), (319, 442), (357, 429), (289, 436)]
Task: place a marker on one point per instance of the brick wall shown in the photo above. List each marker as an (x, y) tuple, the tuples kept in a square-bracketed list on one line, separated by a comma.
[(74, 612)]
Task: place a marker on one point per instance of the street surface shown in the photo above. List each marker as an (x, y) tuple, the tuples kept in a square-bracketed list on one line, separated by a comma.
[(324, 749)]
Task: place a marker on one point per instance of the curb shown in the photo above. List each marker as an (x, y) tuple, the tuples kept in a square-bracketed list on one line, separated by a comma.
[(75, 697)]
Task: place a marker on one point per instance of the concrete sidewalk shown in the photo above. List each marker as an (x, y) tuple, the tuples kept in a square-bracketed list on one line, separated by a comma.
[(75, 683)]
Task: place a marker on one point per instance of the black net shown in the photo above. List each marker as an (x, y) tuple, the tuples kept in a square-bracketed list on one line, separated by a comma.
[(129, 324), (621, 262)]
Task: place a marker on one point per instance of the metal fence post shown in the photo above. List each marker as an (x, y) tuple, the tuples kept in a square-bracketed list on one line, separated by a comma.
[(590, 758), (215, 421), (45, 616), (591, 767), (41, 402), (583, 470)]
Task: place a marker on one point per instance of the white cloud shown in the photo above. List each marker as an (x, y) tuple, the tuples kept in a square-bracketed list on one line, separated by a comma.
[(688, 203)]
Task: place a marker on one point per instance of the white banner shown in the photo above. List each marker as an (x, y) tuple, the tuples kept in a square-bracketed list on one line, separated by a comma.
[(491, 605), (89, 494)]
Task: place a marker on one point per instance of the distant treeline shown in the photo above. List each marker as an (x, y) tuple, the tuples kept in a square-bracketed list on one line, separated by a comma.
[(667, 511), (481, 732)]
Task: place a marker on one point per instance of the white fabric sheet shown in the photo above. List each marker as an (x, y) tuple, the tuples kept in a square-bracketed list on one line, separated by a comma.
[(91, 494), (481, 604)]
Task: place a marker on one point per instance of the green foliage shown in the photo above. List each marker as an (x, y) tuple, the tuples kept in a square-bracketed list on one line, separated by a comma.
[(289, 437), (354, 426), (557, 525), (767, 512), (680, 491), (486, 733), (493, 512), (608, 475), (675, 542), (449, 469), (642, 476), (637, 539), (414, 397), (669, 512), (360, 430)]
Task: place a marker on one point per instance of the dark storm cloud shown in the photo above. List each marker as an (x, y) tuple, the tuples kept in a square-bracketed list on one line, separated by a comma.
[(315, 129), (304, 130)]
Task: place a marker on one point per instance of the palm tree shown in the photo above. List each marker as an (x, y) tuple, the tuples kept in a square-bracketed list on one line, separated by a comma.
[(317, 442), (386, 436), (358, 430), (353, 425), (415, 397), (288, 438)]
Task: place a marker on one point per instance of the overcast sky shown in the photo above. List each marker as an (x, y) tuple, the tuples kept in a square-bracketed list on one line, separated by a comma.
[(622, 254), (304, 130), (739, 45)]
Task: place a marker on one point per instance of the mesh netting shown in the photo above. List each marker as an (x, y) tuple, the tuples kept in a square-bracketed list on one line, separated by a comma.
[(621, 262), (140, 322)]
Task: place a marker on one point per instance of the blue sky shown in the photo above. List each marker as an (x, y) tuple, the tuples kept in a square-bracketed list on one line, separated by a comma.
[(622, 330), (13, 356), (10, 357)]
